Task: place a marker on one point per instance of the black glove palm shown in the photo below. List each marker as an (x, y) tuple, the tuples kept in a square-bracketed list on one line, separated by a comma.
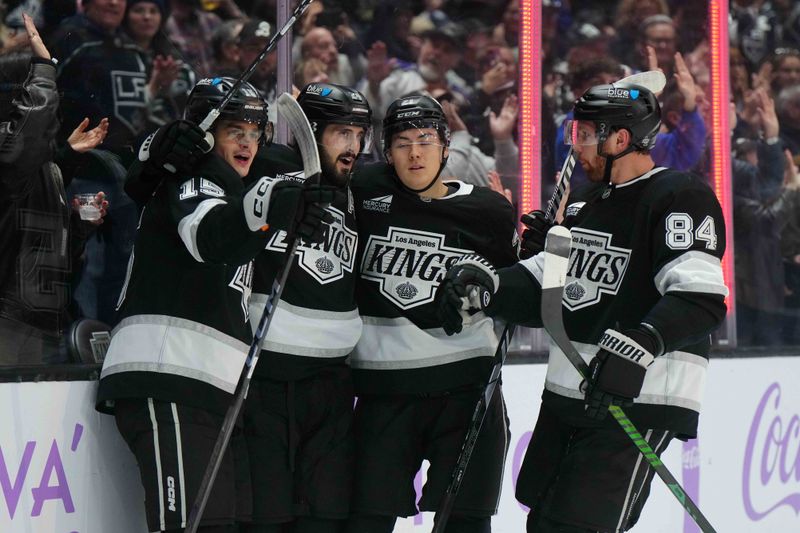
[(616, 374), (534, 236)]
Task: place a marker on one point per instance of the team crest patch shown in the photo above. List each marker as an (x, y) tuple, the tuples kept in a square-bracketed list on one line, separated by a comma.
[(129, 93), (408, 264), (329, 260), (595, 268)]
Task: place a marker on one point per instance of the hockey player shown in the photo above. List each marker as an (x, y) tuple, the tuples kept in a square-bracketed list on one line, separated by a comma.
[(416, 387), (644, 278), (177, 353), (298, 413)]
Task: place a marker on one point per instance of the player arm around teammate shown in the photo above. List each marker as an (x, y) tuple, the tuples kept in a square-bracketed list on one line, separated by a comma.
[(179, 348), (644, 290)]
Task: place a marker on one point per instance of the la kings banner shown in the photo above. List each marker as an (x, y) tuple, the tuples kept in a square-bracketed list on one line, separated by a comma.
[(408, 264)]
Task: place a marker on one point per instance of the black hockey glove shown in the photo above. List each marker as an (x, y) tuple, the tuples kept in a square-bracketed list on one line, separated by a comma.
[(289, 206), (616, 374), (176, 147), (536, 233), (467, 286)]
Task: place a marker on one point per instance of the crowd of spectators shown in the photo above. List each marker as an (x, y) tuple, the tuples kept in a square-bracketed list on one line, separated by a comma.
[(134, 62)]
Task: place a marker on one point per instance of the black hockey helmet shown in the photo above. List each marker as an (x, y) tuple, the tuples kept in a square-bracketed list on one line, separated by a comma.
[(414, 111), (246, 105), (327, 103), (618, 106)]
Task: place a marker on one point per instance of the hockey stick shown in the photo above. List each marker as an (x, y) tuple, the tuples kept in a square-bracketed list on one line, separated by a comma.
[(476, 422), (304, 136), (214, 113), (654, 81), (556, 263)]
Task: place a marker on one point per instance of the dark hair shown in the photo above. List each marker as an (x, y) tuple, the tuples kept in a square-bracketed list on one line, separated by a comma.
[(590, 68)]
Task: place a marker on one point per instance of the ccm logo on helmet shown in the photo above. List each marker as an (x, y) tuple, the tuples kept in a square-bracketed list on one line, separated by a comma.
[(408, 114)]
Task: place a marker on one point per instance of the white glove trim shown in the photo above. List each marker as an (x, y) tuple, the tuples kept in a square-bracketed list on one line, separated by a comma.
[(623, 346)]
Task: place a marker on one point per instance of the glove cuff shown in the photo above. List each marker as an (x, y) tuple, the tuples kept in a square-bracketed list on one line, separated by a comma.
[(257, 203), (624, 346), (483, 264)]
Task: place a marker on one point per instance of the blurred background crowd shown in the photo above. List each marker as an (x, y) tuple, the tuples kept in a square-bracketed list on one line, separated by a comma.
[(134, 63)]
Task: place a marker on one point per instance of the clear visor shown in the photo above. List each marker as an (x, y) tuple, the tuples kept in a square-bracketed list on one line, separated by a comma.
[(580, 133), (345, 139), (420, 134)]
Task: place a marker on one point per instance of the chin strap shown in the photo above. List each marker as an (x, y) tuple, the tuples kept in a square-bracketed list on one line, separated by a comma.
[(610, 161)]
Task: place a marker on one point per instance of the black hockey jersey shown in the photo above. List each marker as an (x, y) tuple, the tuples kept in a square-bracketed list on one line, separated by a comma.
[(101, 75), (406, 245), (316, 322), (183, 334), (648, 250)]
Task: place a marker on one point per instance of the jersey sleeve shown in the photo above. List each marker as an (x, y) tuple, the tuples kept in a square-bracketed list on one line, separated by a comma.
[(688, 242), (504, 249), (210, 221), (27, 134)]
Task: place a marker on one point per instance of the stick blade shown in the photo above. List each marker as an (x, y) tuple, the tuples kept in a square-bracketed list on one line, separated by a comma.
[(652, 80), (556, 257), (291, 111)]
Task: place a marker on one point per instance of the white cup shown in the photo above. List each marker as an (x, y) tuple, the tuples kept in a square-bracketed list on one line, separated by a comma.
[(88, 207)]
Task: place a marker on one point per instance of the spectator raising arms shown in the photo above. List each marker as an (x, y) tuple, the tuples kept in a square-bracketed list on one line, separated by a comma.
[(40, 235)]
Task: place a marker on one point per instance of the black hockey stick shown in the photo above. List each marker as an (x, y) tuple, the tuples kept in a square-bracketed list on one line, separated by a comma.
[(304, 136), (474, 430), (214, 113), (556, 263)]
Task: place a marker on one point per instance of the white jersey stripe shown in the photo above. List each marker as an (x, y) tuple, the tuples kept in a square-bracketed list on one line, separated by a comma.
[(675, 378), (159, 474), (692, 272), (397, 344), (179, 448), (158, 343), (307, 332), (187, 227)]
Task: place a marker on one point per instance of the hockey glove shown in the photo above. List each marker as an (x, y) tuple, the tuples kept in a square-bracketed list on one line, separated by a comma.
[(176, 147), (616, 374), (289, 206), (467, 286), (536, 233)]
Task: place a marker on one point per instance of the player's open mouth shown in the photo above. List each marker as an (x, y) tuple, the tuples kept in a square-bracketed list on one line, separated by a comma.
[(346, 161), (242, 159)]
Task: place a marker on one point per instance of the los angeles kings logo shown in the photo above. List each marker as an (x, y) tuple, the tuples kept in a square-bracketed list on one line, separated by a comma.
[(329, 260), (408, 265), (595, 267)]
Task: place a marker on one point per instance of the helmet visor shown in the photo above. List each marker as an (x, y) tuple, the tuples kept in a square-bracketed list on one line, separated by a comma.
[(580, 133), (344, 138)]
